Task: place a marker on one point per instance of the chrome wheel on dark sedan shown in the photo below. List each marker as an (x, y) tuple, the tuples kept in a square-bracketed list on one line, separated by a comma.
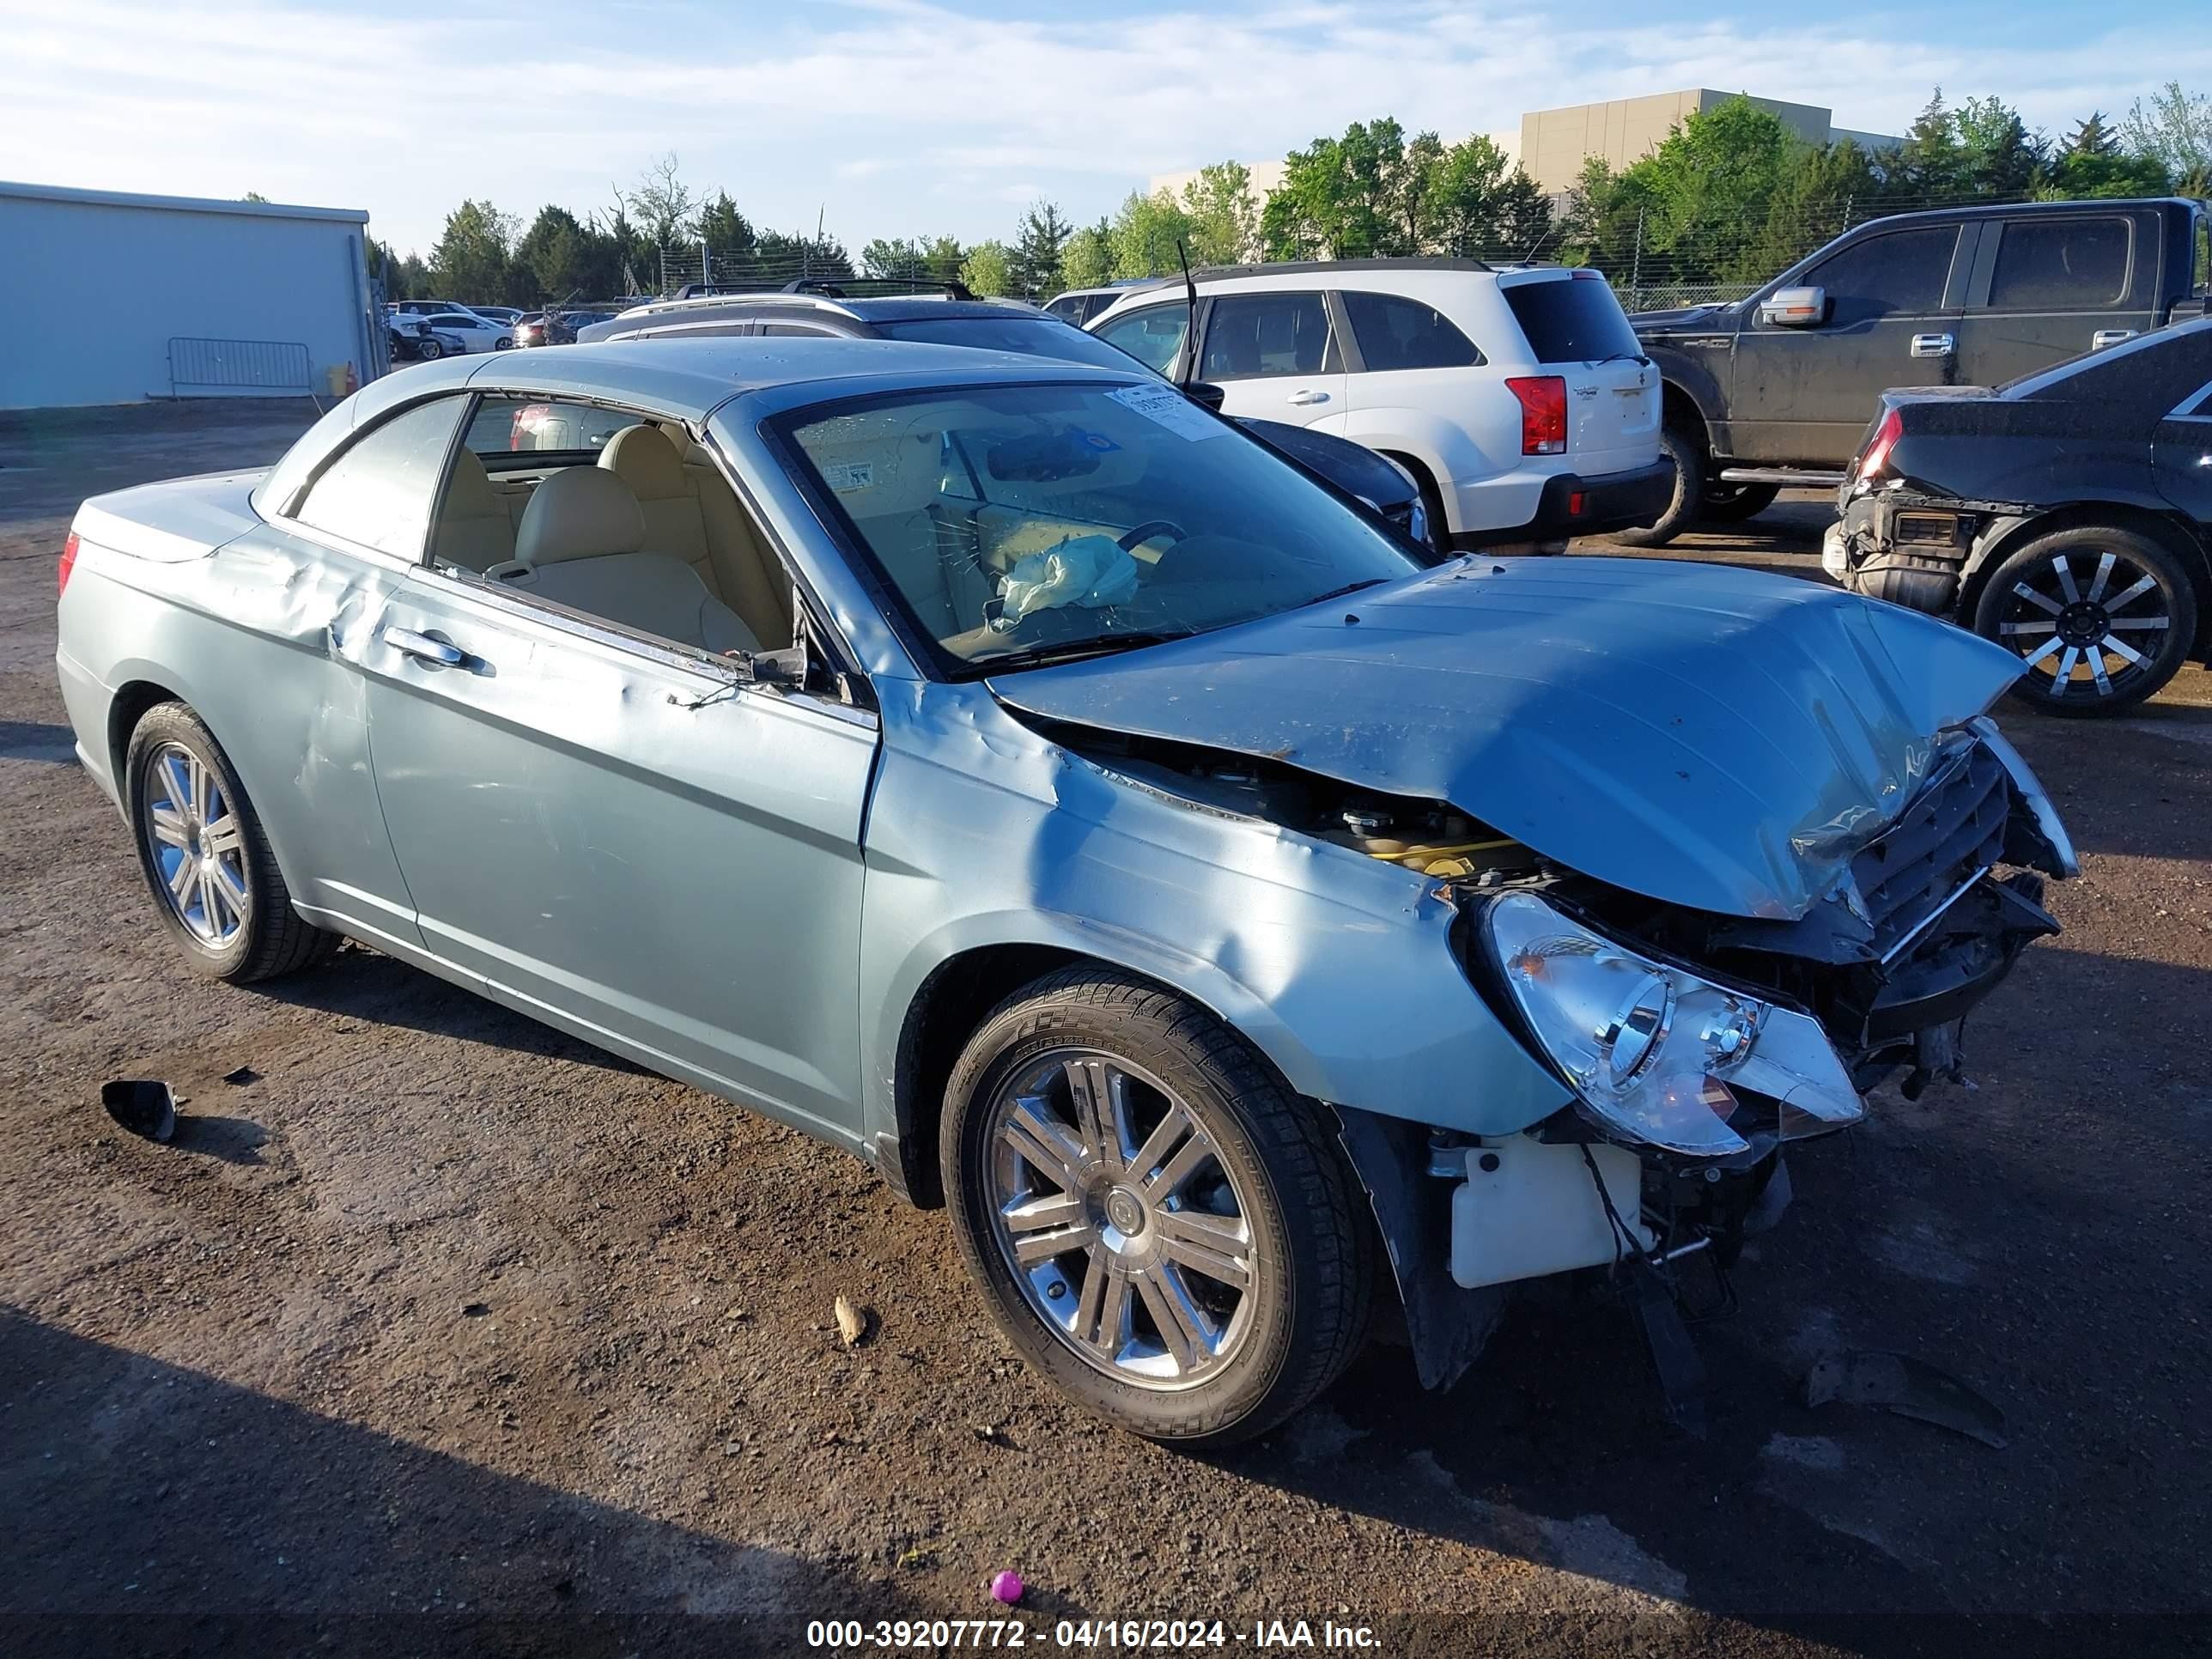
[(2101, 617)]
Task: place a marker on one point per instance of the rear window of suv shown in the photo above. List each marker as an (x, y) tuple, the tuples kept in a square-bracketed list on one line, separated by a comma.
[(1570, 319)]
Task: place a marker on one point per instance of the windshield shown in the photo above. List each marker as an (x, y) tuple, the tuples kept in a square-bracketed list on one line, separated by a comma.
[(1033, 336), (1019, 525)]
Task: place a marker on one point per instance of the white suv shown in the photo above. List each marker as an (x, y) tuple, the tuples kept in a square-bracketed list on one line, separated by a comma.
[(1518, 397)]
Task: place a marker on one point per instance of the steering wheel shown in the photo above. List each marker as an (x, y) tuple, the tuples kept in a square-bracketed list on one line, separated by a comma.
[(1143, 532)]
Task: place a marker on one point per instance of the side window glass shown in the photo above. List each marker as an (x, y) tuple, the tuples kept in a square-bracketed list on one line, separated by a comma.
[(1261, 335), (1153, 336), (507, 427), (1395, 333), (800, 330), (379, 491), (1901, 274), (2060, 265)]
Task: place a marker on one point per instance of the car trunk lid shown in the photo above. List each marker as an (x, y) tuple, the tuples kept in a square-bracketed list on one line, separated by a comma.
[(174, 521)]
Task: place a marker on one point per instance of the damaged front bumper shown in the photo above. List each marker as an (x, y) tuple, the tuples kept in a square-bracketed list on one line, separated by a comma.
[(1698, 1046), (1909, 548)]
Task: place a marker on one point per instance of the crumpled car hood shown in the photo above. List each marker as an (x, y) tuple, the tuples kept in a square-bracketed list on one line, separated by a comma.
[(1707, 736)]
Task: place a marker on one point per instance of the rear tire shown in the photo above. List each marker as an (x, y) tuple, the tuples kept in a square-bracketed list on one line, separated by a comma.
[(1732, 503), (205, 857), (1688, 454), (2102, 616), (1213, 1269), (430, 350)]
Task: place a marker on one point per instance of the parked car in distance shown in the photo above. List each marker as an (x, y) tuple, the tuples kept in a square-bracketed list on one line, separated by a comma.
[(1017, 775), (430, 307), (998, 325), (506, 314), (539, 328), (1080, 304), (1518, 398), (1775, 390), (467, 332), (2066, 515), (411, 339)]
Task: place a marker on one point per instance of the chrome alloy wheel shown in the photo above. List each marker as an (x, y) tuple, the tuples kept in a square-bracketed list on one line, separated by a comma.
[(2095, 640), (198, 845), (1113, 1208)]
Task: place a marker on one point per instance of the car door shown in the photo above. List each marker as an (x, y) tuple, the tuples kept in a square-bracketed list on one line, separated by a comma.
[(1153, 334), (619, 835), (2050, 286), (1802, 396), (2181, 452), (311, 582), (1275, 356)]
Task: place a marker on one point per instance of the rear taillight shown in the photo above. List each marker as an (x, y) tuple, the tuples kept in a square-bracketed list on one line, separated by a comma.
[(1876, 456), (69, 563), (1543, 413)]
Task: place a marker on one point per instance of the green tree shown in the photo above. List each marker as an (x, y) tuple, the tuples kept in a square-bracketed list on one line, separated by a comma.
[(1037, 249), (942, 258), (1830, 188), (552, 256), (1346, 197), (886, 256), (727, 233), (1931, 164), (1224, 220), (1603, 223), (1145, 232), (2001, 158), (386, 267), (989, 269), (780, 258), (660, 202), (1473, 201), (470, 259), (1087, 261), (2175, 130), (2090, 136), (1708, 186)]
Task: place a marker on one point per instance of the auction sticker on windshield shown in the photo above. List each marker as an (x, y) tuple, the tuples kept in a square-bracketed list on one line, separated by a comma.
[(1170, 408), (845, 477)]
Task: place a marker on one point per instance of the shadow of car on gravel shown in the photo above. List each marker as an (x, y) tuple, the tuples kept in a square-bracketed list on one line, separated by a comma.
[(157, 1510)]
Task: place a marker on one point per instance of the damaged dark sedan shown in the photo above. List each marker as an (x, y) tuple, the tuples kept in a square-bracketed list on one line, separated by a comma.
[(1017, 777), (2066, 516)]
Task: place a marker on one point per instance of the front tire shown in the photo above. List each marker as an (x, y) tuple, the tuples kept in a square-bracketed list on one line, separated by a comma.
[(2101, 616), (1688, 454), (430, 350), (1158, 1224), (206, 857)]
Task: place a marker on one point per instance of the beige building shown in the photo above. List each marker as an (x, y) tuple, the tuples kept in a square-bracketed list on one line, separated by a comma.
[(1555, 142)]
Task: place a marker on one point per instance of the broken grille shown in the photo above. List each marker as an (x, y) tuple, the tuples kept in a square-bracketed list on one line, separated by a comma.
[(1952, 830)]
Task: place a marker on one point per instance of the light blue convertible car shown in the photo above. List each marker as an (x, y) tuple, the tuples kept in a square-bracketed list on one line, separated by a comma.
[(1013, 774)]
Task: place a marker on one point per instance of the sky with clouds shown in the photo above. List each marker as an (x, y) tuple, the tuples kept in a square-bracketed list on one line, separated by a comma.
[(918, 117)]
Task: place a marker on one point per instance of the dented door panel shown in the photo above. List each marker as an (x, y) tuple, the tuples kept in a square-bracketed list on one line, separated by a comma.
[(608, 831)]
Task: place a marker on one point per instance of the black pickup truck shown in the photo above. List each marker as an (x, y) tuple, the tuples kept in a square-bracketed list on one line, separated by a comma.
[(1777, 390)]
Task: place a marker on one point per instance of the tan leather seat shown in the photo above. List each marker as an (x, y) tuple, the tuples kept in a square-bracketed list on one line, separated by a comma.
[(475, 529), (581, 544), (690, 514)]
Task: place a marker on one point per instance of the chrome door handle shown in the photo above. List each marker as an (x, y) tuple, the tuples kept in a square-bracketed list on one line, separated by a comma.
[(1932, 345), (2110, 336), (424, 648), (1309, 397)]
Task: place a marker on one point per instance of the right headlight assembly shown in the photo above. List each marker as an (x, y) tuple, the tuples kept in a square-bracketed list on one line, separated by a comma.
[(1654, 1052)]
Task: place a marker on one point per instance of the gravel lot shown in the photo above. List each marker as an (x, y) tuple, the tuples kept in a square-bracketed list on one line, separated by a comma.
[(446, 1333)]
